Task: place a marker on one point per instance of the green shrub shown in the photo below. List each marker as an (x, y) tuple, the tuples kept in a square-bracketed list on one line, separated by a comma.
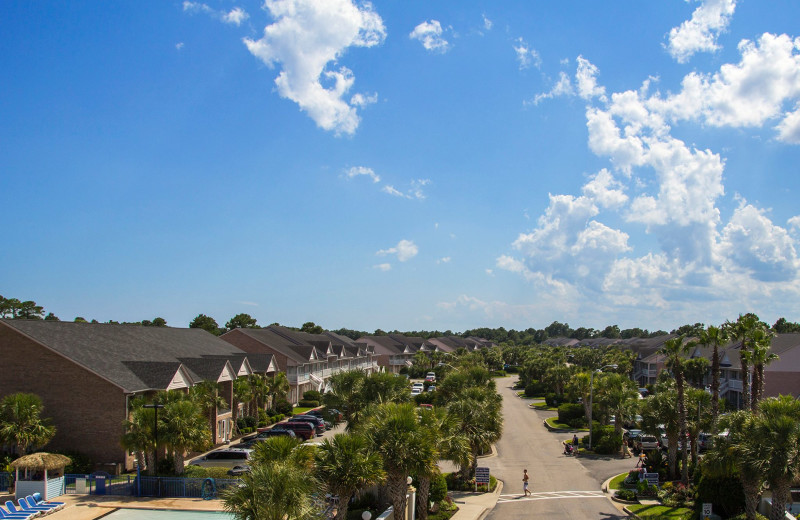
[(312, 395), (605, 440), (80, 463), (497, 373), (568, 412), (199, 472), (263, 415), (306, 403), (535, 388), (626, 494), (553, 400), (438, 488), (282, 406), (725, 493)]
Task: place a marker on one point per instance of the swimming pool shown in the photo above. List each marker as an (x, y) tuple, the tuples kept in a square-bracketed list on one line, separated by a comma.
[(165, 514)]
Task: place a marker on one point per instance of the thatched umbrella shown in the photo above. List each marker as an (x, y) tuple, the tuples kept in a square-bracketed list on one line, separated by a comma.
[(41, 460)]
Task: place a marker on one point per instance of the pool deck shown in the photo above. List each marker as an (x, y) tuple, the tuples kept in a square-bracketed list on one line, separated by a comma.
[(89, 507)]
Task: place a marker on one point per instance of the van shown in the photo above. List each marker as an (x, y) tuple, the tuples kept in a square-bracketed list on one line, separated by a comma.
[(303, 430), (227, 458)]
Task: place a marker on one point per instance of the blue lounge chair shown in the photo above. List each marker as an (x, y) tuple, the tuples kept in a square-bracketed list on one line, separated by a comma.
[(33, 503), (14, 511), (28, 509), (37, 498), (15, 516)]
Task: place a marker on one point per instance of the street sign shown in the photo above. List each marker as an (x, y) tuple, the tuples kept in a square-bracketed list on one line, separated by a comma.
[(481, 475), (651, 478), (706, 510)]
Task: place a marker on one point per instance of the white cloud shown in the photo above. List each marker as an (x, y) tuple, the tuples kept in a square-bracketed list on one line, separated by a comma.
[(357, 171), (663, 187), (700, 33), (179, 45), (586, 78), (383, 267), (789, 128), (306, 37), (490, 272), (563, 87), (392, 191), (487, 23), (443, 260), (430, 35), (251, 304), (235, 16), (197, 7), (362, 100), (405, 250), (525, 55), (746, 94)]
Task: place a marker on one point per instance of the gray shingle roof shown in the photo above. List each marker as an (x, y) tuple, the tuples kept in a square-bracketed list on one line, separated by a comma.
[(133, 357)]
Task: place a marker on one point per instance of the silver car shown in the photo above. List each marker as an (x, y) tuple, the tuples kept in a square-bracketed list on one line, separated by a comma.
[(226, 458)]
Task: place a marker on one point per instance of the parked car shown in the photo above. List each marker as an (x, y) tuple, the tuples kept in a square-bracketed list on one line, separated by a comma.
[(704, 441), (318, 423), (432, 388), (266, 434), (646, 443), (430, 377), (629, 436), (226, 458), (328, 414), (304, 430), (416, 390)]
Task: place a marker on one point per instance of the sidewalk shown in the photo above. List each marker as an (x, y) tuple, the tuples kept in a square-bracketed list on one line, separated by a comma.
[(474, 506)]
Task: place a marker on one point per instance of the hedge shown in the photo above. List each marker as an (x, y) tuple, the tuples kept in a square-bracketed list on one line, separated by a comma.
[(568, 412), (307, 403)]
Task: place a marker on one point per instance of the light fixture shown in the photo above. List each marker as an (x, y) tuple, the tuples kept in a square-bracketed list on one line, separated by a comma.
[(366, 515), (409, 480)]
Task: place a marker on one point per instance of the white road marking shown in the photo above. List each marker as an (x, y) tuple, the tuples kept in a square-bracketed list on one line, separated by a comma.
[(551, 495)]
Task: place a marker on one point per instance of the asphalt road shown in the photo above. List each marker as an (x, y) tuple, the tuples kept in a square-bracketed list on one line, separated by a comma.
[(562, 486)]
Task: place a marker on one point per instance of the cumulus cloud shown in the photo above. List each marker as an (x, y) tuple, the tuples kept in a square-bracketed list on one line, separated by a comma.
[(362, 100), (391, 190), (563, 87), (699, 34), (179, 45), (305, 39), (443, 260), (659, 186), (405, 250), (526, 56), (383, 267), (357, 171), (487, 23), (414, 192), (430, 35)]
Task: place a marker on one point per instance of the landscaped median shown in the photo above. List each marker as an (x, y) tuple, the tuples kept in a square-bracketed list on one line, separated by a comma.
[(628, 490)]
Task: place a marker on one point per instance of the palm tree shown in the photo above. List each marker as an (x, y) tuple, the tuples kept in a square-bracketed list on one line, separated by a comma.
[(776, 452), (662, 409), (276, 449), (742, 329), (714, 337), (581, 385), (242, 393), (273, 491), (259, 389), (393, 431), (674, 350), (699, 400), (448, 443), (479, 412), (139, 436), (344, 389), (21, 423), (278, 387), (761, 356), (619, 395), (207, 395), (346, 465), (184, 429)]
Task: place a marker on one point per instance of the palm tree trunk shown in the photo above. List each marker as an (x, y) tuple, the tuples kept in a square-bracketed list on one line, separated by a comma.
[(672, 457), (396, 485), (745, 377), (343, 506), (423, 492), (178, 458), (683, 443), (752, 490), (780, 490), (715, 387), (151, 463)]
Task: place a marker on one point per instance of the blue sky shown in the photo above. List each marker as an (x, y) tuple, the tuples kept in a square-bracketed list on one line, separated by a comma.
[(410, 165)]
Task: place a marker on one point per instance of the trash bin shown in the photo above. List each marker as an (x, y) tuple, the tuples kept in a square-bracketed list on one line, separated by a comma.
[(100, 485), (80, 486)]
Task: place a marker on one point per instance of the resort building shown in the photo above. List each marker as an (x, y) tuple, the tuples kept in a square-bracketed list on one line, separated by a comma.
[(307, 359), (87, 373)]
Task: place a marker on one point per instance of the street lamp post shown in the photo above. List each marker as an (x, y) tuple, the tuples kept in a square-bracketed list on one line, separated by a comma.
[(442, 364), (591, 397), (155, 406)]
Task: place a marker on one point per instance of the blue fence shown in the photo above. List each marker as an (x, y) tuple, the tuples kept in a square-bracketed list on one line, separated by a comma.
[(6, 481), (131, 485)]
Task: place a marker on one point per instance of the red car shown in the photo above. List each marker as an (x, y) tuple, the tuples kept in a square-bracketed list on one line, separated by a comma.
[(303, 430)]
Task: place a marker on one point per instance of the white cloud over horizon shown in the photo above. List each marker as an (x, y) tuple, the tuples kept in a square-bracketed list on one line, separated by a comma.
[(306, 38), (526, 56), (660, 186), (235, 16)]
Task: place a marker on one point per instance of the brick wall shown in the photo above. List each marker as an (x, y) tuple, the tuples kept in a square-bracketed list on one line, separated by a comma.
[(86, 410)]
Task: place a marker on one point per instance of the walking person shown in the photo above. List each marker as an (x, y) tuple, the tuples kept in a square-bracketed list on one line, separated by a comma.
[(525, 490)]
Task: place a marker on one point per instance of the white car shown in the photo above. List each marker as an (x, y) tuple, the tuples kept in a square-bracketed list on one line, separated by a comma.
[(416, 390)]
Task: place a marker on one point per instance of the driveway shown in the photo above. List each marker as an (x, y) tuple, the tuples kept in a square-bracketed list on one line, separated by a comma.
[(563, 486)]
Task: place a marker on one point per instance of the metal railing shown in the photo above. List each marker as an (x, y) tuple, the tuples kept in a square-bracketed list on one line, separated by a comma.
[(6, 481), (144, 486)]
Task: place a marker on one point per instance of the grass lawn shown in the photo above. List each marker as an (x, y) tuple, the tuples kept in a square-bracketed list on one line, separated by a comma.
[(543, 406), (653, 512), (616, 482), (299, 409), (553, 422)]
